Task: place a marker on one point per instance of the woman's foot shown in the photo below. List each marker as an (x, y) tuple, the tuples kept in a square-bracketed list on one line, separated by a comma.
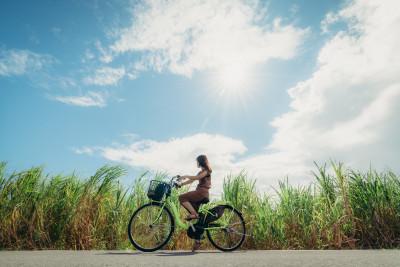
[(192, 216), (196, 245)]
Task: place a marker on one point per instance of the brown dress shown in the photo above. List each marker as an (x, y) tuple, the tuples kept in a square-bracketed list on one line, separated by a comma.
[(199, 194)]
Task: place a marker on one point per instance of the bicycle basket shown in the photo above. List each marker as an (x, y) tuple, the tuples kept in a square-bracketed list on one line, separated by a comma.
[(217, 212), (157, 190)]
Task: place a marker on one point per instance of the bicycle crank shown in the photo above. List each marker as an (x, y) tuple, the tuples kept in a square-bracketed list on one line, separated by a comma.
[(195, 232)]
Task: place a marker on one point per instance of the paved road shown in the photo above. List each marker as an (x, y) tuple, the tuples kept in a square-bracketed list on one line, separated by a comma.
[(203, 258)]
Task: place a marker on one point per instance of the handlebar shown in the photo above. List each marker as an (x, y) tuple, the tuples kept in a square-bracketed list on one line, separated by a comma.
[(173, 182)]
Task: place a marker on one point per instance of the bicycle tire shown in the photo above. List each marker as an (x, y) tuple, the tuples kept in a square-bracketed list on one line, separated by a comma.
[(216, 239), (146, 232)]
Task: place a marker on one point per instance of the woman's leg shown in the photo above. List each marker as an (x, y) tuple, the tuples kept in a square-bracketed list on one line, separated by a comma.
[(189, 207), (187, 198)]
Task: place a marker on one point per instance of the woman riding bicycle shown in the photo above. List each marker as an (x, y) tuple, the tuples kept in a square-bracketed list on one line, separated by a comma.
[(152, 225), (189, 200)]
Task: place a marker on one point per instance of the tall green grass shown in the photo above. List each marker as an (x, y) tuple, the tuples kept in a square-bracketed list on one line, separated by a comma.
[(340, 210)]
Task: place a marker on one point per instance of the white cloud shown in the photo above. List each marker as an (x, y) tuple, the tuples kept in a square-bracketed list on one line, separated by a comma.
[(66, 82), (106, 76), (176, 156), (91, 99), (184, 36), (133, 75), (294, 9), (105, 56), (329, 19), (37, 67), (20, 62), (347, 110), (88, 56), (85, 150)]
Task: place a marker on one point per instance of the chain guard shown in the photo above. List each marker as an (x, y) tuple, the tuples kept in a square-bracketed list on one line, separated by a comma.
[(196, 235)]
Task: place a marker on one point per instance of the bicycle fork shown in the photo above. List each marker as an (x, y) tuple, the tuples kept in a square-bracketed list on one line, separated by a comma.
[(158, 215)]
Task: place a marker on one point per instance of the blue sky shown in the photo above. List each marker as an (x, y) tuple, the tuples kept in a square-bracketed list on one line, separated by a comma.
[(266, 86)]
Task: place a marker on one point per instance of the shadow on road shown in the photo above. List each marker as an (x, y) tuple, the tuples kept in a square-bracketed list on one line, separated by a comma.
[(167, 253), (182, 253)]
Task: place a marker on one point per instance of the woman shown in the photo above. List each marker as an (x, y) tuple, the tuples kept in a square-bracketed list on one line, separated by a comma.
[(190, 199)]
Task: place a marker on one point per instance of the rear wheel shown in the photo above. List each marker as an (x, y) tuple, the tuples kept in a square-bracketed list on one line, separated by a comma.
[(151, 227), (229, 232)]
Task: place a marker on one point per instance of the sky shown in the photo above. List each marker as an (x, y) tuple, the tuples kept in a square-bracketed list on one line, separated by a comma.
[(269, 87)]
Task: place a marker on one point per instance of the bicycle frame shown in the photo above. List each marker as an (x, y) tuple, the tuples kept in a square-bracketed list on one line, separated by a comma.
[(176, 214)]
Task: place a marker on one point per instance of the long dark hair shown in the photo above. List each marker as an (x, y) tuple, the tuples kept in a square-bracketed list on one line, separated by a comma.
[(203, 162)]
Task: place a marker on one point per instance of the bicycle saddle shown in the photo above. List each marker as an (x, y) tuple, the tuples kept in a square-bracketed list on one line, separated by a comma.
[(204, 201)]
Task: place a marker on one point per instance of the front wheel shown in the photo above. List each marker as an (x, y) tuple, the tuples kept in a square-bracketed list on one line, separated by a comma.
[(151, 227), (228, 232)]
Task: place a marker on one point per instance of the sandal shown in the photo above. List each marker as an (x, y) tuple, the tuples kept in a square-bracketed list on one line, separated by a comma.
[(196, 245), (192, 216)]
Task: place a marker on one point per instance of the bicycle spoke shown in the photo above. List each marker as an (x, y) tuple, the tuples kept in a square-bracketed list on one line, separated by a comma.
[(235, 223)]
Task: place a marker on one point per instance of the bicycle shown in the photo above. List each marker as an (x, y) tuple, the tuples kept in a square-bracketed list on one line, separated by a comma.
[(152, 225)]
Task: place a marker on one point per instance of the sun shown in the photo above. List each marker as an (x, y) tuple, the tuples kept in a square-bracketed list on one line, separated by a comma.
[(233, 77), (234, 84)]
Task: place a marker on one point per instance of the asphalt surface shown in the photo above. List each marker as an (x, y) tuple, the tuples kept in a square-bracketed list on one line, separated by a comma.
[(202, 258)]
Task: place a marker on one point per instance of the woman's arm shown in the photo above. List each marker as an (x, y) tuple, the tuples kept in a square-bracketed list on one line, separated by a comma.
[(187, 182), (194, 178)]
